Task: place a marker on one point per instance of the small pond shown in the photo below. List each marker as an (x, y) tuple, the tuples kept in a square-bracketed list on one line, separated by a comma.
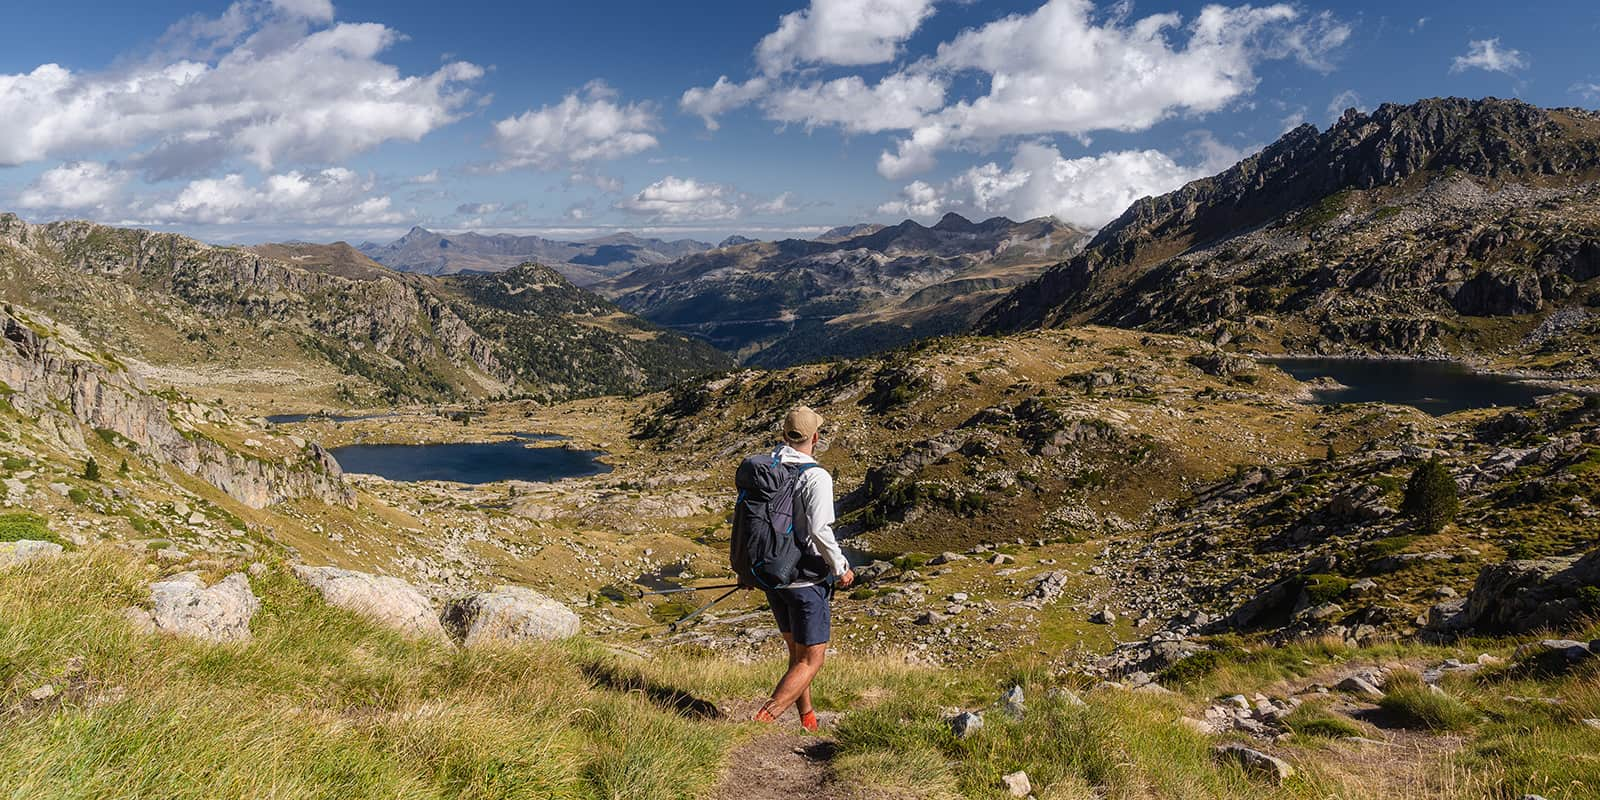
[(1437, 387), (471, 462)]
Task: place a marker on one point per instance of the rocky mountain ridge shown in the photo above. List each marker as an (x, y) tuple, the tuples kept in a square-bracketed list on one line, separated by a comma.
[(853, 291), (389, 335), (1447, 226), (584, 263)]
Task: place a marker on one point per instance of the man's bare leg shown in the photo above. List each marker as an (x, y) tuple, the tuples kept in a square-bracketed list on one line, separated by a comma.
[(805, 660), (803, 705)]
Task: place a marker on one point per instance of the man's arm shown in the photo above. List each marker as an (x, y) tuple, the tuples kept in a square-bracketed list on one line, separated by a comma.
[(817, 494)]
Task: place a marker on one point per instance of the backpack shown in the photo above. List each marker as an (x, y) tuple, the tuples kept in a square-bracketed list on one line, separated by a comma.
[(764, 551)]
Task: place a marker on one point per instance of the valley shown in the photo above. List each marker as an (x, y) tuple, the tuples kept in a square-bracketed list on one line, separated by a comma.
[(1128, 518)]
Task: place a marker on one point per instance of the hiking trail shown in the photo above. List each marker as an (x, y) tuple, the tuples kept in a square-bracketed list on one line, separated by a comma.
[(782, 765)]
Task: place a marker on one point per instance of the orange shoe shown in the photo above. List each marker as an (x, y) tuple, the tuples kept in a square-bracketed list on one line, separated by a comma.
[(765, 716), (808, 721)]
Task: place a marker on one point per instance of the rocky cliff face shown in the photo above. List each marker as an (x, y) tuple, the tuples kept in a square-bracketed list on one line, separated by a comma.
[(1380, 233), (68, 392)]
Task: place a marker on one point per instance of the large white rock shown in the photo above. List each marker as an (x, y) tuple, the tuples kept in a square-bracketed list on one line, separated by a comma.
[(385, 600), (25, 550), (184, 606), (508, 614)]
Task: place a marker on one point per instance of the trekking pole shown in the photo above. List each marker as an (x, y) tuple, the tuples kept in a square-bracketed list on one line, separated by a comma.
[(643, 593), (673, 628)]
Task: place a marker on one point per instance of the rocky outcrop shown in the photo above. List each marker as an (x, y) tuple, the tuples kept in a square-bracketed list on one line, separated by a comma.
[(24, 550), (1519, 596), (507, 615), (184, 606), (390, 602), (65, 389)]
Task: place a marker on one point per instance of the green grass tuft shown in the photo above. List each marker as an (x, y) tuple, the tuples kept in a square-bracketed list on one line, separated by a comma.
[(1421, 706)]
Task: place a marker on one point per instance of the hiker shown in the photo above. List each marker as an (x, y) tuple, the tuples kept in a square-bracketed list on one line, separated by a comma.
[(783, 544)]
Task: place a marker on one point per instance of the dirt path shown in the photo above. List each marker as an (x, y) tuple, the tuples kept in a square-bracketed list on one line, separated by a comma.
[(782, 766)]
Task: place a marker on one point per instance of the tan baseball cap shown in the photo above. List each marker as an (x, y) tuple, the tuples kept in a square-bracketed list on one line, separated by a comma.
[(800, 424)]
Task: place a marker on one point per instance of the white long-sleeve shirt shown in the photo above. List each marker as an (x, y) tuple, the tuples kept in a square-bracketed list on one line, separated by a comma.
[(813, 512)]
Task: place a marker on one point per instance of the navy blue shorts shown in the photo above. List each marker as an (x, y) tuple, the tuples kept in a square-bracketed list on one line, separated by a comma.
[(802, 612)]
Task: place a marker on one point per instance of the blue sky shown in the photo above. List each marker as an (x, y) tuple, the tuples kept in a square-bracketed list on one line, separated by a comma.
[(276, 119)]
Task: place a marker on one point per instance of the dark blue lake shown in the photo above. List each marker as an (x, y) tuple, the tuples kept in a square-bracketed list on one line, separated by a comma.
[(1437, 387), (471, 462)]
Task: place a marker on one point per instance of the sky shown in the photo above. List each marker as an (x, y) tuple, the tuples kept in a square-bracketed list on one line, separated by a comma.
[(272, 120)]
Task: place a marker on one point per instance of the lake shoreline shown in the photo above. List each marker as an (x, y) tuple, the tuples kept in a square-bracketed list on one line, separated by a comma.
[(1561, 382)]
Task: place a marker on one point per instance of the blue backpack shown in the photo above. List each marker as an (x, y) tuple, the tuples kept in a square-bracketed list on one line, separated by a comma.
[(764, 551)]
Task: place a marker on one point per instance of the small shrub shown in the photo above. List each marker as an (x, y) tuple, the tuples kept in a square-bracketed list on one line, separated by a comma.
[(91, 470), (24, 526), (1419, 705), (1192, 669), (1321, 589), (1430, 497), (77, 495)]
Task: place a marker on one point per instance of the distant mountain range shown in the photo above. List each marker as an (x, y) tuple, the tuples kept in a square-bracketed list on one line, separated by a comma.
[(584, 263), (853, 290), (341, 329), (1446, 227)]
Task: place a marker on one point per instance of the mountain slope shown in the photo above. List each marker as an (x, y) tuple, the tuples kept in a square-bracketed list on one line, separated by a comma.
[(794, 300), (1444, 227), (584, 263), (203, 315), (338, 258)]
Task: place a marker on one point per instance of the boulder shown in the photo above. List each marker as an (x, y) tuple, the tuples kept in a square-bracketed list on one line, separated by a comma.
[(1017, 784), (388, 601), (966, 724), (1104, 616), (508, 614), (184, 606), (1521, 596), (1360, 686), (946, 558), (25, 550), (1254, 762), (1553, 656), (1046, 589)]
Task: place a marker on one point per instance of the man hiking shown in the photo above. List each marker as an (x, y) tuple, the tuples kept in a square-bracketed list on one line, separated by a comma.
[(783, 543)]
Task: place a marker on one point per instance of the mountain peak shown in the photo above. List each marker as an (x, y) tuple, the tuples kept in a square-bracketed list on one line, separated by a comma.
[(954, 223)]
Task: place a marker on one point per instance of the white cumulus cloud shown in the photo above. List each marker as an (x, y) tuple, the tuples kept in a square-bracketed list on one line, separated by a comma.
[(78, 186), (269, 89), (1088, 191), (335, 193), (674, 199), (894, 103), (712, 101), (841, 32), (1059, 70), (584, 127), (1488, 54)]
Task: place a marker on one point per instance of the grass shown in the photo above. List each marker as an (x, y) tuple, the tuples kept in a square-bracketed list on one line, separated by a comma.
[(1421, 706), (321, 704), (1315, 719), (337, 707)]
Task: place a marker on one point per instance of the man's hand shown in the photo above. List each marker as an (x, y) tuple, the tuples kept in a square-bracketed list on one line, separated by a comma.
[(847, 578)]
